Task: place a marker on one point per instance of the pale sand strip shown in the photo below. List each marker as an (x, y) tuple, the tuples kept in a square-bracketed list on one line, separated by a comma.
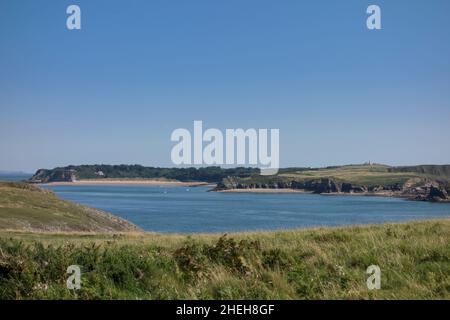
[(287, 190), (258, 190), (154, 182)]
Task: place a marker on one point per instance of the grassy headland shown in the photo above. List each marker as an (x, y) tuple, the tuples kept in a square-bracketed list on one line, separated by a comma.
[(137, 172), (27, 207), (426, 183)]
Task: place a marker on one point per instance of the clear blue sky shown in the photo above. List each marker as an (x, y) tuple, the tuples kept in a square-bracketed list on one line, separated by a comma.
[(114, 91)]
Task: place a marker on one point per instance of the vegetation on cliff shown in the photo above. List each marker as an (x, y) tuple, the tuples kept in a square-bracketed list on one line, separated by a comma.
[(434, 170), (207, 174)]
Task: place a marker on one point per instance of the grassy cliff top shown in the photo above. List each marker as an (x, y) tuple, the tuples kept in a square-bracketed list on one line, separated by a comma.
[(367, 174), (357, 174), (27, 207)]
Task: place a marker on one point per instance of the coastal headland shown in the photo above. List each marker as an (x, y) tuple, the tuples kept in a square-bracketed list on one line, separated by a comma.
[(420, 183)]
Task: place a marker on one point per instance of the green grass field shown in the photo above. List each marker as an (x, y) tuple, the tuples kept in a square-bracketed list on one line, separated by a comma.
[(357, 174), (311, 264), (362, 175)]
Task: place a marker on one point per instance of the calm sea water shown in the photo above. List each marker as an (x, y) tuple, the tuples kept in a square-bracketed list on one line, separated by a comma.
[(189, 210), (6, 176)]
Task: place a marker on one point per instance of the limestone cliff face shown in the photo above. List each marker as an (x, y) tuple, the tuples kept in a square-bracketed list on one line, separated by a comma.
[(57, 175), (317, 186), (429, 190), (323, 185)]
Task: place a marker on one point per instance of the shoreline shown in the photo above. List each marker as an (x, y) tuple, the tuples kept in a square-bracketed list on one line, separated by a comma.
[(112, 182), (264, 191), (287, 190), (385, 194)]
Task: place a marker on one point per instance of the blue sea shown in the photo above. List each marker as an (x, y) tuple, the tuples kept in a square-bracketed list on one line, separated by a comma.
[(194, 210), (14, 176)]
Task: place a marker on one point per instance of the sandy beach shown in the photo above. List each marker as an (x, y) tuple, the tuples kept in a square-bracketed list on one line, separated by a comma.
[(287, 190), (154, 182), (250, 190), (387, 194)]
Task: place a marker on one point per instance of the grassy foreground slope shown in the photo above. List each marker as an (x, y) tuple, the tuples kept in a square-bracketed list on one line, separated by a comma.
[(27, 207), (311, 264)]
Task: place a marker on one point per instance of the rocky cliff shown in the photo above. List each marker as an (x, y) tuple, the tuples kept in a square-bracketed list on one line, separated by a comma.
[(423, 190)]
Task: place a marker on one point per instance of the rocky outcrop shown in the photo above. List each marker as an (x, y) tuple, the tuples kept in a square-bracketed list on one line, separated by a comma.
[(325, 185), (350, 188), (437, 194), (56, 175), (322, 186), (425, 190)]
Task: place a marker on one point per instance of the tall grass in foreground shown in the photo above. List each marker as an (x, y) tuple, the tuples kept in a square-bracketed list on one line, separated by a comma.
[(314, 264)]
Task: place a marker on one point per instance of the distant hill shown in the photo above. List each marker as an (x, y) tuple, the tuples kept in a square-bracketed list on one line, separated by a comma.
[(436, 170), (86, 172), (27, 207)]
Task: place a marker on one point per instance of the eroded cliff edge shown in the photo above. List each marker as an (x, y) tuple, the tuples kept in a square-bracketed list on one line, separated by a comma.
[(421, 183)]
